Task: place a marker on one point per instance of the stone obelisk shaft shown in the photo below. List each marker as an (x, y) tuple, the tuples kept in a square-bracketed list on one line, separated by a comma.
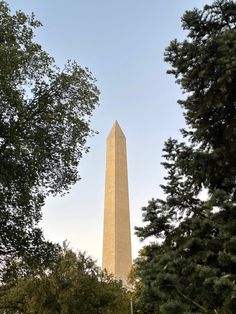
[(116, 234)]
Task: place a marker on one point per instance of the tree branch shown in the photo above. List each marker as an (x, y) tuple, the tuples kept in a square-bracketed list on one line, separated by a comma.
[(192, 301)]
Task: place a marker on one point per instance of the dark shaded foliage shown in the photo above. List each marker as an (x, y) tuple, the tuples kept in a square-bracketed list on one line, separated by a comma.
[(44, 123), (193, 269)]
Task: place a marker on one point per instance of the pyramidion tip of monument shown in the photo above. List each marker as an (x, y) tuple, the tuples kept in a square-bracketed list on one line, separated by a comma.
[(116, 125), (116, 130)]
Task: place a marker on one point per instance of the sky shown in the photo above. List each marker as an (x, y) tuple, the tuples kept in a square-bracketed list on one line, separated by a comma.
[(122, 43)]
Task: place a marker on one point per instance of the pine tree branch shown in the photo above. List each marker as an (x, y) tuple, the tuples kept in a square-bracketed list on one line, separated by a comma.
[(192, 301)]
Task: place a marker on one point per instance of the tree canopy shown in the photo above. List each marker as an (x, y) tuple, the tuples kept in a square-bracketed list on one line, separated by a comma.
[(44, 124), (191, 268), (73, 285)]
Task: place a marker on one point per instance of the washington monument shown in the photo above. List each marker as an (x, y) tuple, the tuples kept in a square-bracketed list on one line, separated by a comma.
[(116, 233)]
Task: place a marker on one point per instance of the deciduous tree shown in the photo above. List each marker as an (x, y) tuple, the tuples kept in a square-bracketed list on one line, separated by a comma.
[(74, 285), (44, 124)]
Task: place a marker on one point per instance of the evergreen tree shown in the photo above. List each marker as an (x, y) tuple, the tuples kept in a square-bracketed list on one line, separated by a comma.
[(193, 268)]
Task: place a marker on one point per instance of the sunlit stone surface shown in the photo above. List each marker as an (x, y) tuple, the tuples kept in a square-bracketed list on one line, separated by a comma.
[(116, 234)]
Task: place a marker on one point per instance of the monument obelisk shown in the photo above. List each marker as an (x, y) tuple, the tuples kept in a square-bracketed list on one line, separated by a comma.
[(116, 233)]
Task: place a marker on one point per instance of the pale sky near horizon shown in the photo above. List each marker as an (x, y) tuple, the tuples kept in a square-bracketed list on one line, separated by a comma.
[(122, 43)]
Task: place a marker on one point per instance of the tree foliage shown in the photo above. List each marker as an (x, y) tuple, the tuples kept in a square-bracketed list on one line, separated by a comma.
[(74, 285), (192, 269), (44, 123)]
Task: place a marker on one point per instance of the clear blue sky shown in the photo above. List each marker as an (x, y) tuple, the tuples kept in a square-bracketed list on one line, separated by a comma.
[(122, 42)]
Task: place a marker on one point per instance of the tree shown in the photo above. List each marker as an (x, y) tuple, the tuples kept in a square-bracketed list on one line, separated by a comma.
[(74, 285), (193, 268), (44, 123)]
